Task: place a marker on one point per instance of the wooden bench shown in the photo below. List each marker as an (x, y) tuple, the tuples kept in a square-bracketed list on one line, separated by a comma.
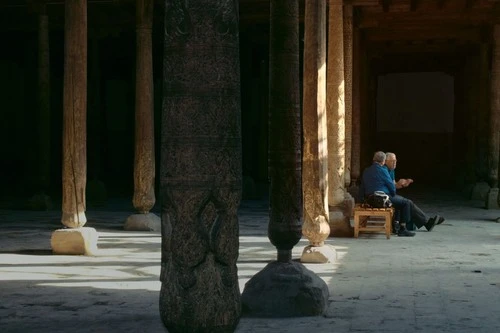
[(367, 219)]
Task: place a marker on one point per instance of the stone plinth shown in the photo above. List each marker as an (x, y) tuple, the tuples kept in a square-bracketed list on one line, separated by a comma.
[(74, 241), (318, 254), (340, 218), (492, 199), (285, 289), (143, 222)]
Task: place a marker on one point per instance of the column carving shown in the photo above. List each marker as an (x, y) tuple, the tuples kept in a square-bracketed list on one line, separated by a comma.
[(201, 171), (348, 46), (338, 199), (74, 170), (356, 112), (314, 131), (263, 294), (494, 139), (144, 152)]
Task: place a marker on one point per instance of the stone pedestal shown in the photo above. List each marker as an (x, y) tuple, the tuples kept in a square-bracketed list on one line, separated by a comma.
[(285, 289), (143, 222), (492, 199), (318, 254), (480, 191), (340, 218), (76, 241)]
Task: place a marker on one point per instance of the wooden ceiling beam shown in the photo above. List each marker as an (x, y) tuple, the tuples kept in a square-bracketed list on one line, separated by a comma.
[(426, 33), (413, 5)]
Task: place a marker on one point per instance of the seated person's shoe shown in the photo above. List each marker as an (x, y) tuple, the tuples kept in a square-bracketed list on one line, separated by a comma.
[(405, 233), (440, 220), (432, 223)]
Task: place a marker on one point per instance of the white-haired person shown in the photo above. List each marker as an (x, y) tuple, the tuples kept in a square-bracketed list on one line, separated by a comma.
[(418, 217), (376, 178)]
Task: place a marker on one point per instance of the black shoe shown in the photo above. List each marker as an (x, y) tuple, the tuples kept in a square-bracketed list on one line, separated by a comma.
[(405, 233), (440, 220), (432, 223)]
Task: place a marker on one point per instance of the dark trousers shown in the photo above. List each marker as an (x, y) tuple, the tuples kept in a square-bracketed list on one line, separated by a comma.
[(417, 216), (403, 208)]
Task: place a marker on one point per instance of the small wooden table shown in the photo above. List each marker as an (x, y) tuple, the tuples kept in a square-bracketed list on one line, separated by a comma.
[(368, 219)]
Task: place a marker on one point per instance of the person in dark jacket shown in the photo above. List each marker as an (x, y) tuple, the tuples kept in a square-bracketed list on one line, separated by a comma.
[(376, 178)]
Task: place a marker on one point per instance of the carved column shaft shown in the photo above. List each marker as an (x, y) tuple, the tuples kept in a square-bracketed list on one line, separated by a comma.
[(44, 98), (285, 210), (144, 158), (74, 170), (495, 110), (356, 110), (335, 105), (315, 149), (348, 71), (200, 167)]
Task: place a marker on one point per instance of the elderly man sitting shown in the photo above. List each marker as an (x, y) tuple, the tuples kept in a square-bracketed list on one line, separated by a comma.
[(418, 217), (376, 178)]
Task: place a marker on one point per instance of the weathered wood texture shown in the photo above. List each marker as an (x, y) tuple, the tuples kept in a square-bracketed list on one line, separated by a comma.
[(335, 104), (285, 212), (200, 167), (74, 170), (144, 158), (348, 39), (495, 109), (315, 148), (44, 99)]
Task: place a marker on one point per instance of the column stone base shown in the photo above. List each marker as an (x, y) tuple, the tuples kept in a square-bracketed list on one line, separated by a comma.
[(285, 289), (492, 198), (74, 241), (143, 222), (318, 254), (340, 218)]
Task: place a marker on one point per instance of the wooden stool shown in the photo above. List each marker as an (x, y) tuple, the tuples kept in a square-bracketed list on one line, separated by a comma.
[(367, 219)]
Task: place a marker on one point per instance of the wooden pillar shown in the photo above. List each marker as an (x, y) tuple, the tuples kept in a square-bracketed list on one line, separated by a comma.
[(201, 171), (44, 99), (144, 160), (285, 227), (341, 205), (483, 123), (348, 71), (335, 106), (356, 111), (263, 294), (314, 131), (494, 139), (74, 170)]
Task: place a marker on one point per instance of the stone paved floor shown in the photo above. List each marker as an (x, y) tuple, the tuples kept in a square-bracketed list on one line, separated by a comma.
[(447, 280)]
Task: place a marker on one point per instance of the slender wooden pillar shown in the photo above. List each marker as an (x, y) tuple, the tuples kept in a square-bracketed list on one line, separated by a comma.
[(144, 161), (44, 98), (339, 200), (494, 140), (348, 46), (335, 106), (314, 131), (285, 227), (356, 111), (280, 289), (201, 170), (74, 170)]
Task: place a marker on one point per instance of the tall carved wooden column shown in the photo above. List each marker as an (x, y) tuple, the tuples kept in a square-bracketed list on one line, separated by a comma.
[(201, 169), (314, 131), (74, 170), (348, 40), (494, 140), (144, 158), (41, 200), (284, 287), (341, 208), (356, 113), (44, 97)]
